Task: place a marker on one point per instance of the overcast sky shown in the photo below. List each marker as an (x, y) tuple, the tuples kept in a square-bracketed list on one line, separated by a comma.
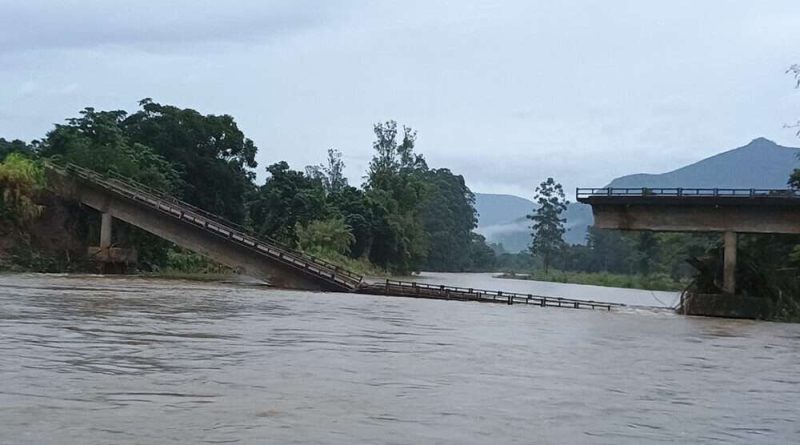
[(505, 93)]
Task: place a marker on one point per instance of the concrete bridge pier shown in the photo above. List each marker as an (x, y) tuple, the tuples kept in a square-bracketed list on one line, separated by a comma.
[(110, 260), (729, 263), (105, 231)]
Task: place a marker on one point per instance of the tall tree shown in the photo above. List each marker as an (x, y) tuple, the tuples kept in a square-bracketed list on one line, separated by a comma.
[(548, 225), (395, 186), (214, 157), (331, 174), (448, 215)]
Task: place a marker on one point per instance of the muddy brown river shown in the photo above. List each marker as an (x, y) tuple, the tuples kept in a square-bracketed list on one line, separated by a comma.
[(94, 360)]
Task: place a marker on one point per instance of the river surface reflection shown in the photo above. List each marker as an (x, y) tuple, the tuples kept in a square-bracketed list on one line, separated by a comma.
[(87, 360)]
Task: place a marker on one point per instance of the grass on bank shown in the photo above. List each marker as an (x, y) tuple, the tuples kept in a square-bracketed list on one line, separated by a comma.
[(661, 282)]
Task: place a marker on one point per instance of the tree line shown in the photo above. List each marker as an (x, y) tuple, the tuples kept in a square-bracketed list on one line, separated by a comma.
[(405, 217)]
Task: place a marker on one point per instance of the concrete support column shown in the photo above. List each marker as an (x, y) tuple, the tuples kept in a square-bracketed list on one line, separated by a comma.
[(729, 263), (105, 231)]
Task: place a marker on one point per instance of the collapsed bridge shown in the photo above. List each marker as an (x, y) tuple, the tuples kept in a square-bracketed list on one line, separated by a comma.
[(119, 197)]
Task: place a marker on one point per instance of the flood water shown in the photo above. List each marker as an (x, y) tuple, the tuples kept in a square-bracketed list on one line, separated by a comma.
[(92, 360)]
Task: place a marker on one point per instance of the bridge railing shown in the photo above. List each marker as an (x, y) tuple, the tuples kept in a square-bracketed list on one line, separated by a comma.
[(582, 193), (410, 288), (126, 186), (170, 198)]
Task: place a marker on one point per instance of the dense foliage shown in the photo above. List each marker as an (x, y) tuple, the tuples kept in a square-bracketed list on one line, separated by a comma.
[(406, 217), (14, 146), (21, 180)]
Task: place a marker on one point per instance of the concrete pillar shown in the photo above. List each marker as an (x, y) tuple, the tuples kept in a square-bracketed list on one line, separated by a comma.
[(105, 231), (729, 263)]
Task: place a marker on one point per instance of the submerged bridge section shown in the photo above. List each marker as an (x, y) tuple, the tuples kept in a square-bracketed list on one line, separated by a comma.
[(197, 230), (724, 210), (440, 292)]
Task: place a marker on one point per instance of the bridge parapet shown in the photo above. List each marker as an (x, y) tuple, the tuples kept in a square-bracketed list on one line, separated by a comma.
[(694, 209)]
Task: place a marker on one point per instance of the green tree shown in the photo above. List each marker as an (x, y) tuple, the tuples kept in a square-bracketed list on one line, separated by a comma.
[(448, 216), (647, 252), (331, 174), (353, 206), (548, 225), (609, 251), (15, 146), (482, 256), (97, 140), (287, 199), (211, 153), (329, 237), (21, 180), (395, 187)]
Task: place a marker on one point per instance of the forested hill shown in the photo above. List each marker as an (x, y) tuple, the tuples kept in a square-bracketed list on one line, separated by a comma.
[(759, 164)]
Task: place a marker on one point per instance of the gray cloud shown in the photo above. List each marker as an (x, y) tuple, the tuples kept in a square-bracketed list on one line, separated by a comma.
[(151, 24), (506, 94)]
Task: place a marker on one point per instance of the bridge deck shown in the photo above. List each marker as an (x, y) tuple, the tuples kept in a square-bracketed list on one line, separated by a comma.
[(439, 292)]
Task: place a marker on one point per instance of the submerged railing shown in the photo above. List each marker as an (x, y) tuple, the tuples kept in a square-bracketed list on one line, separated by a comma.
[(441, 292)]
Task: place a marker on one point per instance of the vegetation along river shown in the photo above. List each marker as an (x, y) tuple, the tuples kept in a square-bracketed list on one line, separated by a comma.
[(87, 359)]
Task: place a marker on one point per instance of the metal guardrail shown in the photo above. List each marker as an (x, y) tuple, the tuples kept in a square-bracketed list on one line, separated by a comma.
[(215, 224), (582, 193), (421, 290)]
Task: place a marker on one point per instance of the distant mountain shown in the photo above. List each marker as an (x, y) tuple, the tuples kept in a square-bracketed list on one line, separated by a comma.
[(501, 209), (759, 164), (502, 219)]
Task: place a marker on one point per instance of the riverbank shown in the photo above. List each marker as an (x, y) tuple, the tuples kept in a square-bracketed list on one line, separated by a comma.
[(659, 282)]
